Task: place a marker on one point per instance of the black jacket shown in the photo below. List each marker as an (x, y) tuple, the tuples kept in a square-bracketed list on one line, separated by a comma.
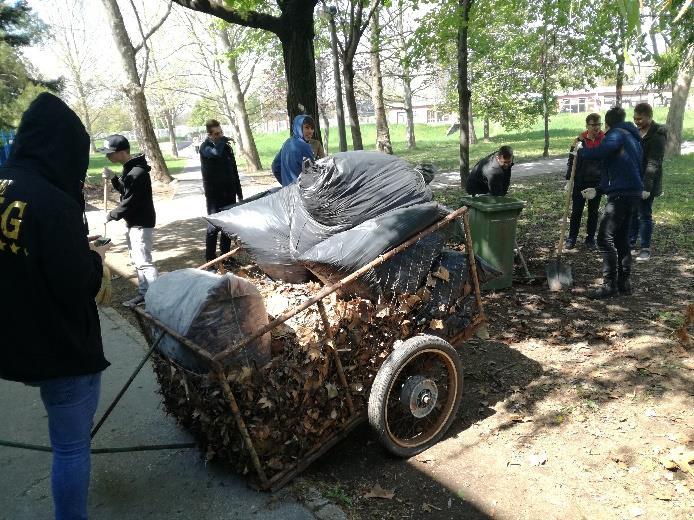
[(49, 325), (135, 188), (487, 176), (220, 176), (653, 152), (588, 171)]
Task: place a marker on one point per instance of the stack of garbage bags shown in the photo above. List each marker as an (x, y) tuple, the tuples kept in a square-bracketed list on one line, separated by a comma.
[(344, 211)]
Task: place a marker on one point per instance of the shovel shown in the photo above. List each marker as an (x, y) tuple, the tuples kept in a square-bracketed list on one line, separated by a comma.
[(559, 274)]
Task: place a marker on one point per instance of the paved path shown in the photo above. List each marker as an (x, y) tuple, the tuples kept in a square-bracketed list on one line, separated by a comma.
[(158, 485)]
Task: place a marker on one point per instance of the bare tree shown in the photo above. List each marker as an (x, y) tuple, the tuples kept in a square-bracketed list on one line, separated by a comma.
[(134, 86), (383, 143)]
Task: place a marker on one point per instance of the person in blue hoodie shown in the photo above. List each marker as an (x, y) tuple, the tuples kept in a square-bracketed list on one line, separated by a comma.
[(287, 164), (621, 153)]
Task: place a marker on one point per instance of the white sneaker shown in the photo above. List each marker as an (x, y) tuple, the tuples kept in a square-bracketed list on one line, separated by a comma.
[(137, 300), (644, 255)]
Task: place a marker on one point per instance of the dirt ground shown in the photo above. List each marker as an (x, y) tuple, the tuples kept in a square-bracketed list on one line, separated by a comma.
[(572, 408)]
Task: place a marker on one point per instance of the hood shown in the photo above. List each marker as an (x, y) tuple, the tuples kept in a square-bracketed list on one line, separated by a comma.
[(629, 127), (52, 142), (298, 126), (139, 161)]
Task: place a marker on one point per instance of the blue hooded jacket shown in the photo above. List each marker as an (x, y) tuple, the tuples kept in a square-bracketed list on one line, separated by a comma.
[(287, 164), (621, 152)]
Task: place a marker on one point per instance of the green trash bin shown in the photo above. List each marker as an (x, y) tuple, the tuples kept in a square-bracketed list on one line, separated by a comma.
[(493, 226)]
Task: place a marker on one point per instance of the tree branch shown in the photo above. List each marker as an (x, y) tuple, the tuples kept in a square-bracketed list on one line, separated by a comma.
[(247, 19), (154, 28)]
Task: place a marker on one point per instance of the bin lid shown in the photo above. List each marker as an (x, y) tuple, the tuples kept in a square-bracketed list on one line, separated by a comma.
[(490, 203)]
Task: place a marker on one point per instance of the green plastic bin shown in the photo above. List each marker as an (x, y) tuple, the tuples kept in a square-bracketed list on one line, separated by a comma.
[(493, 223)]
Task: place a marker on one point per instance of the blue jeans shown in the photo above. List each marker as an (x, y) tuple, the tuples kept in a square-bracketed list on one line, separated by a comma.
[(71, 404), (642, 223)]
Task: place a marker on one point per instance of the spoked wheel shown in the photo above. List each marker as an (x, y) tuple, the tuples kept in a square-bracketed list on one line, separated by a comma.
[(416, 394)]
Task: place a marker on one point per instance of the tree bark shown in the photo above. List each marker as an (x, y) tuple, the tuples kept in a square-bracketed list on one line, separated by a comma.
[(351, 100), (486, 130), (471, 129), (168, 116), (247, 146), (136, 95), (463, 91), (339, 107), (678, 105), (407, 87), (545, 102), (383, 143)]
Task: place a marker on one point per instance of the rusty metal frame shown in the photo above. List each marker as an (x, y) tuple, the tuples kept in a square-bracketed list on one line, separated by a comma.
[(216, 366)]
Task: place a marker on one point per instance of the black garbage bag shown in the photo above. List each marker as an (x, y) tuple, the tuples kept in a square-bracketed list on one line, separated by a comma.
[(346, 252), (262, 225), (352, 187)]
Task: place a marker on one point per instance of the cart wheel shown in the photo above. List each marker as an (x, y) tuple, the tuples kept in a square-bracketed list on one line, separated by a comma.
[(416, 394)]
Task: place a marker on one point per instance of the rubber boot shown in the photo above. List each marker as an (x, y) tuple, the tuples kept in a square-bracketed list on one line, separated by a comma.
[(609, 279)]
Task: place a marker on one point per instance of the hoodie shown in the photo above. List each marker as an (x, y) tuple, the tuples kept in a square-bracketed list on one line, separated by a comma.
[(220, 175), (288, 162), (135, 188), (620, 151), (489, 177), (49, 322), (653, 152)]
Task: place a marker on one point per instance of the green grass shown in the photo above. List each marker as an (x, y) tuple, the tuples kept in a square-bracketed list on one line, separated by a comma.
[(98, 161), (434, 146)]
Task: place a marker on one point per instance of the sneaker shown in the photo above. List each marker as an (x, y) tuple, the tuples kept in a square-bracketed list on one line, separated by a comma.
[(590, 243), (133, 302), (570, 243), (644, 255)]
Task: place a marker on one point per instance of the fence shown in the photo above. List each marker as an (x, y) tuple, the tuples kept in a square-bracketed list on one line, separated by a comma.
[(6, 138)]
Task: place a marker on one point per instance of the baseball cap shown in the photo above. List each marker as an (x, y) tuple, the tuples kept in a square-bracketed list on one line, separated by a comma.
[(114, 143)]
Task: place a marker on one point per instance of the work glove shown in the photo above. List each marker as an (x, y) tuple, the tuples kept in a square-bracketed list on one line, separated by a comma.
[(107, 173), (577, 148), (645, 195), (589, 193)]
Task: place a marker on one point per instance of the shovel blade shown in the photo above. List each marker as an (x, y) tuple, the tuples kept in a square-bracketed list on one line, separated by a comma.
[(559, 275)]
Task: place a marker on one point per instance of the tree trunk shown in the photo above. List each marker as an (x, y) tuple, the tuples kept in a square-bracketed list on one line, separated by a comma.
[(352, 111), (486, 130), (545, 104), (620, 80), (247, 148), (407, 87), (326, 131), (339, 107), (300, 67), (168, 116), (136, 94), (471, 129), (678, 105), (383, 143), (463, 91)]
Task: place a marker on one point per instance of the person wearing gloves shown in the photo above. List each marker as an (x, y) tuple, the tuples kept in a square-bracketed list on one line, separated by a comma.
[(620, 151), (136, 208), (491, 174), (51, 337), (289, 160), (220, 180), (653, 137), (588, 173)]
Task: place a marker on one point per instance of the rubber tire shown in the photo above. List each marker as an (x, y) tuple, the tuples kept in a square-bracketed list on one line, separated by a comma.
[(389, 370)]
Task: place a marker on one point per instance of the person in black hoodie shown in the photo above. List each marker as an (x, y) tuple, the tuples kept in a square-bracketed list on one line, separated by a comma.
[(49, 321), (492, 174), (136, 208), (620, 150), (220, 180), (653, 137)]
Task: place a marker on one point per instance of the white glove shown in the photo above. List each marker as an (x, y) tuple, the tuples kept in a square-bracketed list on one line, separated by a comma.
[(107, 173), (589, 193), (577, 148), (645, 195)]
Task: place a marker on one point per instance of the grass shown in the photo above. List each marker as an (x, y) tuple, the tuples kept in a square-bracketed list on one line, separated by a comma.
[(434, 146), (98, 161)]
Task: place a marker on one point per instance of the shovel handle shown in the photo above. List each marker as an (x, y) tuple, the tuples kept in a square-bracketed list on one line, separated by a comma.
[(567, 203)]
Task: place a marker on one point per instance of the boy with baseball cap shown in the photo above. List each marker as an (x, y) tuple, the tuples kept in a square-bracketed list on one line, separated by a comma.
[(136, 208)]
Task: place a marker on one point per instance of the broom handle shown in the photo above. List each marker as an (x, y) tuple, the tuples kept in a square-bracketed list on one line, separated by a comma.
[(569, 191), (104, 178)]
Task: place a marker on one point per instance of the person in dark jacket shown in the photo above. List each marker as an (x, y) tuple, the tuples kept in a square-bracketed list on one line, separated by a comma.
[(51, 337), (220, 180), (492, 174), (653, 137), (136, 208), (289, 160), (620, 151), (588, 173)]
